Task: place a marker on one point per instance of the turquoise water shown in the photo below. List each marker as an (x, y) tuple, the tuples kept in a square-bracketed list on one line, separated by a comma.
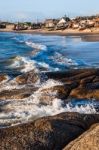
[(18, 52)]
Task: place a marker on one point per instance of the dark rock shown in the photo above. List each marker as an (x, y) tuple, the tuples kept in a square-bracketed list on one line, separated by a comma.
[(47, 133), (3, 77), (27, 78), (17, 93)]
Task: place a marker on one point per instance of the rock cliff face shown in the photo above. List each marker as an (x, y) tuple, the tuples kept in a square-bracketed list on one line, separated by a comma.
[(87, 141), (47, 133)]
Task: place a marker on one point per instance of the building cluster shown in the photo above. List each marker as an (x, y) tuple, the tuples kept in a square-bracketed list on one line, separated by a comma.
[(80, 23)]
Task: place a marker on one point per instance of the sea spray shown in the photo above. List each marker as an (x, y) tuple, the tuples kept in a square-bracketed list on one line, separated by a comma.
[(24, 64), (28, 109)]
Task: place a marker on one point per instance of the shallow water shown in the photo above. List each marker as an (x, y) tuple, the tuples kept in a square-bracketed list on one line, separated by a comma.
[(21, 53)]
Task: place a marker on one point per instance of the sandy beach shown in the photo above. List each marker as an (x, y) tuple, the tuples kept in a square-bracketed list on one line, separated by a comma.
[(91, 31), (89, 35)]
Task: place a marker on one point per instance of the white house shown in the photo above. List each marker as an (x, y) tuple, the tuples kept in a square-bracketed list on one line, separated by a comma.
[(62, 21)]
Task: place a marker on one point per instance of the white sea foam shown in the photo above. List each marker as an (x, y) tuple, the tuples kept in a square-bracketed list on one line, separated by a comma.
[(23, 111), (10, 85), (47, 66), (24, 63), (31, 108), (36, 45), (50, 83), (60, 59)]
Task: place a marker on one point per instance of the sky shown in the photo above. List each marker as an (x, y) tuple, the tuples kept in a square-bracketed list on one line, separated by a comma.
[(28, 10)]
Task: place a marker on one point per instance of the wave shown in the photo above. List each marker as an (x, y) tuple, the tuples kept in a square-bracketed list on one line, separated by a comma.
[(24, 64), (36, 45), (31, 108), (47, 67), (60, 59)]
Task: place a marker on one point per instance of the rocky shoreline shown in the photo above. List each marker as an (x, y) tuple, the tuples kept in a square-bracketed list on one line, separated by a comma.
[(48, 133), (57, 131)]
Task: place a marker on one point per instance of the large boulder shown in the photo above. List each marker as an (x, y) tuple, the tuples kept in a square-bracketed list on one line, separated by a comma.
[(47, 95), (28, 78), (47, 133), (3, 77), (87, 141), (87, 82), (17, 93)]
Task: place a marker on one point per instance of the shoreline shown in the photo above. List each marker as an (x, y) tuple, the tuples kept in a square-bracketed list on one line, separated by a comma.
[(59, 32), (85, 36)]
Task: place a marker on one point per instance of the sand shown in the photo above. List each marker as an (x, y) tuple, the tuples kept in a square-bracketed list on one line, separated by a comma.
[(87, 34)]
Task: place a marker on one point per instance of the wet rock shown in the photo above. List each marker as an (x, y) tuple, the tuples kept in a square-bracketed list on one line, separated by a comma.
[(76, 74), (87, 141), (87, 82), (3, 77), (80, 83), (88, 91), (47, 133), (96, 79), (60, 91), (27, 78), (85, 74), (48, 95), (17, 93), (76, 84)]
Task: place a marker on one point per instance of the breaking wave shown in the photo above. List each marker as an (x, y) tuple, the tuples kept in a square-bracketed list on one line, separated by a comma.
[(36, 45), (24, 64), (44, 101), (60, 59), (31, 108)]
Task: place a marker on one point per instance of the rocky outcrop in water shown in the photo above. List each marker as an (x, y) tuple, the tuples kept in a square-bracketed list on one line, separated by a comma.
[(47, 133), (87, 141), (82, 83), (3, 77), (17, 93), (27, 78)]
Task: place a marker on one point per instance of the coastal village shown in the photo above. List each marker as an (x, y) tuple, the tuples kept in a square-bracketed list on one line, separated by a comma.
[(64, 23)]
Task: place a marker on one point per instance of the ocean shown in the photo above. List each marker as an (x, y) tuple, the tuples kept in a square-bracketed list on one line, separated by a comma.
[(47, 53), (21, 53)]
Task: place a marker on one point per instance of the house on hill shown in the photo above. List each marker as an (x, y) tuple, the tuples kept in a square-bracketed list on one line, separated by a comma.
[(96, 21), (90, 24), (20, 26), (63, 23), (50, 23), (36, 26), (2, 25)]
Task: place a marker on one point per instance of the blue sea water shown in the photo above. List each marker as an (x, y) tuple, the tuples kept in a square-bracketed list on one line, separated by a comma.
[(21, 52)]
